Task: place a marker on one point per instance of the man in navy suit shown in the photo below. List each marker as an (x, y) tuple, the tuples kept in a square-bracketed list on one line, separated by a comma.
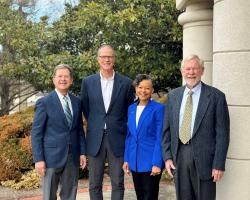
[(105, 99), (195, 155), (58, 141)]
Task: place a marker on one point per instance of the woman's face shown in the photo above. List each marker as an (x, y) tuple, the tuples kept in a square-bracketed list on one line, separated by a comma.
[(144, 90)]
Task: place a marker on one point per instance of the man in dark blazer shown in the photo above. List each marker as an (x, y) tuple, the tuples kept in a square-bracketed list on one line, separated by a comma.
[(58, 142), (105, 99), (197, 162)]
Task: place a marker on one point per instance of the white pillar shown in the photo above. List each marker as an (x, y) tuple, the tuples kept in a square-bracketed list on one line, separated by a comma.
[(231, 74), (197, 22)]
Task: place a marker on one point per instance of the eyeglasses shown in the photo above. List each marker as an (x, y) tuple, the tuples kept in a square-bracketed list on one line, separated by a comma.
[(63, 77), (106, 57)]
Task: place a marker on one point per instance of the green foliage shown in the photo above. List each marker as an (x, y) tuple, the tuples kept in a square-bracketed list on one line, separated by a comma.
[(145, 34), (22, 41), (162, 99), (166, 176)]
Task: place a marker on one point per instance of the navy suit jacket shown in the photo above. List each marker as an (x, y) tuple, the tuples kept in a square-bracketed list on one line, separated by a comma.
[(115, 118), (143, 143), (211, 130), (51, 135)]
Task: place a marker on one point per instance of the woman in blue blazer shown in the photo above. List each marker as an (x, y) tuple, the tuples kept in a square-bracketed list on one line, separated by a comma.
[(143, 154)]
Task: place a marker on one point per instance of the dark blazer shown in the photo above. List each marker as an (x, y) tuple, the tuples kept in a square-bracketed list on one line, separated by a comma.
[(51, 135), (211, 130), (115, 118), (143, 143)]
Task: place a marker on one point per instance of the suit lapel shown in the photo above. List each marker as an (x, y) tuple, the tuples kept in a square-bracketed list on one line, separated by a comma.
[(202, 107), (177, 108), (144, 114), (132, 118), (98, 91), (116, 91)]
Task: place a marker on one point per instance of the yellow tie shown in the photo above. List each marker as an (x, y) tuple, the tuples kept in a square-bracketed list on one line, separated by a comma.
[(185, 131)]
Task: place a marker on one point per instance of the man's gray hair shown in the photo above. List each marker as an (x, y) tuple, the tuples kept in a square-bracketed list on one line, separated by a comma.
[(63, 66), (104, 46), (192, 57)]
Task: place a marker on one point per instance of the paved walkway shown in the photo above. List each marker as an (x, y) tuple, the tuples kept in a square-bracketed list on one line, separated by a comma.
[(167, 191)]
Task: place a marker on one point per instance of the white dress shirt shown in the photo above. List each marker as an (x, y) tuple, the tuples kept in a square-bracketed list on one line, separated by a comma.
[(139, 110), (107, 88)]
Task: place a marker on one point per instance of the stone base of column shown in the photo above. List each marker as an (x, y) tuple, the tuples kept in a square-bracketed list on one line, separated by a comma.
[(237, 175)]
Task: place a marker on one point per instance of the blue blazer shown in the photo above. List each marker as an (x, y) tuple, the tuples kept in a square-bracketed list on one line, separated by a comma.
[(210, 138), (143, 144), (51, 135), (96, 115)]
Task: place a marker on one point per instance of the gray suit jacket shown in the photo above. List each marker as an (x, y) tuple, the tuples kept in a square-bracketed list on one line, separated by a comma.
[(115, 118), (211, 130)]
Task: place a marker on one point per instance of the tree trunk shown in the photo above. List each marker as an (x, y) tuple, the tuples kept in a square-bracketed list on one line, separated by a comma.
[(4, 96)]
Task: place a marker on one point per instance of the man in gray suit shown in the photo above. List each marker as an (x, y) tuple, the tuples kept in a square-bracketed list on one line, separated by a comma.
[(195, 134), (105, 99)]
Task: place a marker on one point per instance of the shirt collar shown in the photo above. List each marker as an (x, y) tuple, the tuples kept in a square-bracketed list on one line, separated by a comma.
[(60, 95), (107, 79), (194, 90)]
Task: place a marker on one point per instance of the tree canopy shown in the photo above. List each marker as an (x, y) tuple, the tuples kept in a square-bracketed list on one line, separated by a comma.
[(19, 39), (144, 33)]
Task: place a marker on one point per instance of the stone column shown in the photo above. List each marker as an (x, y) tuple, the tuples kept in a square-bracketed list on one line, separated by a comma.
[(231, 74), (197, 22)]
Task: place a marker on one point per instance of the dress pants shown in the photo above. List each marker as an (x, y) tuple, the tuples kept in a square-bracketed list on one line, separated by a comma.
[(187, 182), (146, 186), (96, 171), (66, 178)]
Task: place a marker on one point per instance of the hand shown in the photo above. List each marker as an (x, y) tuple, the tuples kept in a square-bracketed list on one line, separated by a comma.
[(40, 168), (217, 175), (83, 161), (155, 171), (169, 165), (125, 168)]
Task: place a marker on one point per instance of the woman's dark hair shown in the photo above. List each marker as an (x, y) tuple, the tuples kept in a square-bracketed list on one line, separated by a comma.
[(141, 77)]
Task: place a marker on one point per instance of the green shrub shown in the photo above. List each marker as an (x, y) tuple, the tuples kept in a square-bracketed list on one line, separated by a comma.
[(166, 176), (162, 99)]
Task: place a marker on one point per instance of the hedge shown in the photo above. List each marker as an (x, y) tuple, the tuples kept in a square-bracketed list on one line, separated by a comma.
[(15, 144), (15, 150)]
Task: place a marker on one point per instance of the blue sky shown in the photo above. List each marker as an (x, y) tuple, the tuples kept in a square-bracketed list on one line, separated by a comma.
[(52, 8)]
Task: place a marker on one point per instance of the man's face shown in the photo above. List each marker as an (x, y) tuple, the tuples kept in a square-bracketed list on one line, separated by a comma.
[(106, 59), (62, 80), (192, 73)]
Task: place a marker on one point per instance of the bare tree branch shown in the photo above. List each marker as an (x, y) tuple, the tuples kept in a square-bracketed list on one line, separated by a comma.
[(18, 91), (12, 108)]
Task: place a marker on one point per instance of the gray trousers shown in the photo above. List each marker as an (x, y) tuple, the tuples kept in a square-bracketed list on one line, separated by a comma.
[(65, 177), (187, 182), (96, 171)]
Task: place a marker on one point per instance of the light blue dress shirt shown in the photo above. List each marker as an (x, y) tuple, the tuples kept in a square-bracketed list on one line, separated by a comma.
[(195, 97)]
